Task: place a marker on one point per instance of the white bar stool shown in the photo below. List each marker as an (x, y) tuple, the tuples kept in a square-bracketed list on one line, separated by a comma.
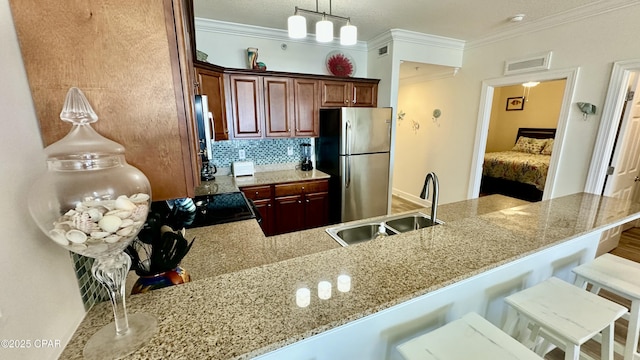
[(564, 315), (621, 277), (471, 337)]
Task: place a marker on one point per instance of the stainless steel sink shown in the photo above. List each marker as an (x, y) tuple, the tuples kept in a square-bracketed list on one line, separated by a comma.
[(350, 234), (410, 222), (353, 234)]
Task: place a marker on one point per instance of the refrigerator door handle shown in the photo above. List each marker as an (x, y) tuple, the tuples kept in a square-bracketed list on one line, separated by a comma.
[(347, 182), (348, 133)]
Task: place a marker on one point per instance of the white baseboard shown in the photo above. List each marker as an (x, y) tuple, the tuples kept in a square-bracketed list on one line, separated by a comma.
[(411, 198)]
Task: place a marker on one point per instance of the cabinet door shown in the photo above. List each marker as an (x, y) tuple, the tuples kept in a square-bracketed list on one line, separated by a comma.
[(246, 106), (265, 208), (335, 93), (307, 115), (364, 95), (211, 83), (289, 214), (316, 210), (278, 106)]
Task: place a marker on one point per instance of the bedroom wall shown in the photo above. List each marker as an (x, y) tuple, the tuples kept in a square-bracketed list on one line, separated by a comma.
[(541, 110)]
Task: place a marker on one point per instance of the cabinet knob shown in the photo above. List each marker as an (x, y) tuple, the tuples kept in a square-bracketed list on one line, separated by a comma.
[(268, 205), (308, 201), (346, 101), (299, 201), (257, 193), (303, 188)]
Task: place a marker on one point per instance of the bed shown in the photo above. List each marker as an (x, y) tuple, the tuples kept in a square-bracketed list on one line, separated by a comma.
[(522, 171)]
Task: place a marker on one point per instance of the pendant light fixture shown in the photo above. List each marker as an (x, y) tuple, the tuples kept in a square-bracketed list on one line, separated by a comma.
[(527, 89), (297, 26)]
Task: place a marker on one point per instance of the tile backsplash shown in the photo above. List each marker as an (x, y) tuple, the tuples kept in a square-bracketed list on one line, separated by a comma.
[(261, 152)]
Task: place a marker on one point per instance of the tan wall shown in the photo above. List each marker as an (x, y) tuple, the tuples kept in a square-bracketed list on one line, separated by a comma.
[(541, 110)]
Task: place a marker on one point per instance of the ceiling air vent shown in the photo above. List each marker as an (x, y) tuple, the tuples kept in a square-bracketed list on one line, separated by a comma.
[(533, 63), (383, 50)]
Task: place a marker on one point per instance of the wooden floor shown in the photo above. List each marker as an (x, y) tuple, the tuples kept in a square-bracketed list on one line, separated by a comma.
[(628, 248), (399, 204)]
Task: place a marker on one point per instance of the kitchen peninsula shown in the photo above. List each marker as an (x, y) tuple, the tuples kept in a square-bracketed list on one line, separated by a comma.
[(486, 248)]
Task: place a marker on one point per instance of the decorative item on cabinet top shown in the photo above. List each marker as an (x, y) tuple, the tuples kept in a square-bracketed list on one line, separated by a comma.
[(340, 64)]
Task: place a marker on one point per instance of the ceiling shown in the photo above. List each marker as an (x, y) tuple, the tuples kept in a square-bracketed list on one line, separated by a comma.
[(467, 20)]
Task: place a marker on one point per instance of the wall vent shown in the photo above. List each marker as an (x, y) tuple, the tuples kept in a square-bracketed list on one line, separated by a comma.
[(533, 63), (383, 50)]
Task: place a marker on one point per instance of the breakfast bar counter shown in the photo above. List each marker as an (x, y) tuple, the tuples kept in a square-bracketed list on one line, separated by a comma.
[(252, 310)]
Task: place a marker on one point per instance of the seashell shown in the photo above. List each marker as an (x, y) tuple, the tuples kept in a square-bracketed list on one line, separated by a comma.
[(83, 222), (126, 222), (63, 225), (112, 239), (110, 223), (76, 236), (78, 247), (123, 203), (70, 213), (125, 231), (122, 214), (58, 235), (140, 212), (95, 214), (99, 234), (139, 198)]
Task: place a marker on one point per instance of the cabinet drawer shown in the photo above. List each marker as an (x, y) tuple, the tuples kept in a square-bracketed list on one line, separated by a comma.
[(301, 188), (257, 192)]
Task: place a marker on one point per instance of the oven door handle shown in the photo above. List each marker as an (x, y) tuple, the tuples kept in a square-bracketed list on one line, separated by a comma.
[(255, 210)]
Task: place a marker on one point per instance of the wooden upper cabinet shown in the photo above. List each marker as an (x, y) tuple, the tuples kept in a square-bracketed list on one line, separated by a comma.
[(335, 93), (364, 94), (348, 94), (135, 70), (246, 105), (211, 84), (306, 104), (278, 106)]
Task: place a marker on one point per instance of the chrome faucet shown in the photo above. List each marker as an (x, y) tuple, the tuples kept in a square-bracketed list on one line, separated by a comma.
[(434, 198)]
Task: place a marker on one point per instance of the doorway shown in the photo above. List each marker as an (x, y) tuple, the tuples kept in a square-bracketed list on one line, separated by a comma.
[(522, 114), (615, 167), (484, 117)]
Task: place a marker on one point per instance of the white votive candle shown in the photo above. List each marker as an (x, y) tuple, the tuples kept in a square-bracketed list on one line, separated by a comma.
[(303, 297), (324, 290), (344, 283)]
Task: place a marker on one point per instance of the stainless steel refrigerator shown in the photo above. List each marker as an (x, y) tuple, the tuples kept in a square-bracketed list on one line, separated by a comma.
[(353, 147)]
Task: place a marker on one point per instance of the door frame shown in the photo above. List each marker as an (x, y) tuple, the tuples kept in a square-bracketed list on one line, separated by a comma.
[(484, 118), (606, 138)]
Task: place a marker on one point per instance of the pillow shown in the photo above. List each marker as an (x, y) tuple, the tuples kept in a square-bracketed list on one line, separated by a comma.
[(529, 145), (548, 147)]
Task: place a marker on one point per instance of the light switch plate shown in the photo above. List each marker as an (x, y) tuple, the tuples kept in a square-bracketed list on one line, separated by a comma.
[(241, 154), (290, 150)]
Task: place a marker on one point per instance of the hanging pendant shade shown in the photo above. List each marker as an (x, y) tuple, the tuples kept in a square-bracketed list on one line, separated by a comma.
[(297, 26), (324, 30)]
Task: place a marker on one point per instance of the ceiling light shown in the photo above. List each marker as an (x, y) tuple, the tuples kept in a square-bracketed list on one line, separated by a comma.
[(517, 18), (531, 84), (324, 30), (348, 34), (297, 26)]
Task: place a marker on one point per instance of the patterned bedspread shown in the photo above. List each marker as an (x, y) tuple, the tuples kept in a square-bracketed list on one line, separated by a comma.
[(517, 166)]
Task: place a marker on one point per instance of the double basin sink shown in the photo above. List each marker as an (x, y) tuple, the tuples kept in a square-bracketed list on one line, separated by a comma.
[(351, 234)]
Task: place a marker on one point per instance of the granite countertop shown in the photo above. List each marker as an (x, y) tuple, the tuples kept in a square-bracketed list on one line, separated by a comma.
[(228, 183), (249, 312)]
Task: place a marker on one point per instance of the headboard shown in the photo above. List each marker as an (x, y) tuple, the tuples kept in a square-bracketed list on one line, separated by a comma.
[(536, 133)]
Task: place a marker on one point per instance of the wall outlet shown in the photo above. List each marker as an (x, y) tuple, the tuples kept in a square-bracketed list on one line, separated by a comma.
[(241, 154), (290, 150)]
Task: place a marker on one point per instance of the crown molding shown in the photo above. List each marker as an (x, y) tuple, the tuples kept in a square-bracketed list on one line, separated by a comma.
[(228, 28), (409, 80), (413, 37), (581, 13)]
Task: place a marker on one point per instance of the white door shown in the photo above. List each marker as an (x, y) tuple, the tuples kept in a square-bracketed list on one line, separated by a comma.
[(623, 183)]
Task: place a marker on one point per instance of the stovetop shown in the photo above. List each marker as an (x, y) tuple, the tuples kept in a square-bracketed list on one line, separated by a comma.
[(208, 210)]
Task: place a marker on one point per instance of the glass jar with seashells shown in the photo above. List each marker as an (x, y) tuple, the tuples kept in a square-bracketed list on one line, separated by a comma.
[(90, 201)]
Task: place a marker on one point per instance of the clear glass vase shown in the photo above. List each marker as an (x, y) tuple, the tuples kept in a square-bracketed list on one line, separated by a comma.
[(91, 202)]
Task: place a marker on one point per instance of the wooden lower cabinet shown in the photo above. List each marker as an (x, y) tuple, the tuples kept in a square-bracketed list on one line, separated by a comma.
[(291, 206), (263, 200)]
